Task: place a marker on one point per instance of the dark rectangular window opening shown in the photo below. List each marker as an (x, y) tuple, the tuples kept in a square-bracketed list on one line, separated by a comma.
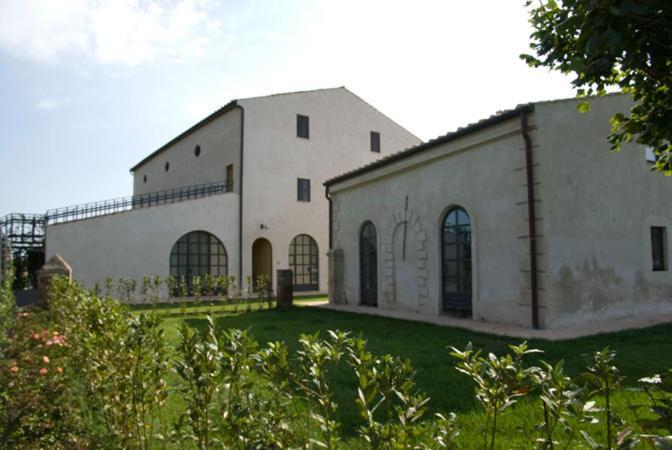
[(658, 244), (303, 189), (375, 141), (229, 177), (302, 126), (651, 156)]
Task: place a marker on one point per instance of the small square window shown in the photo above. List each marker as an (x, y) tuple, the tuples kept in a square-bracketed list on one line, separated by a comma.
[(651, 155), (303, 189), (302, 126), (375, 141), (658, 244)]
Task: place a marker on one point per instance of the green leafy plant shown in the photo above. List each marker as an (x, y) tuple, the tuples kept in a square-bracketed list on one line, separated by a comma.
[(657, 428), (198, 367), (263, 289), (500, 381), (144, 289), (120, 362), (562, 402), (274, 366), (602, 378), (196, 290), (7, 304), (183, 294), (314, 358), (109, 287), (155, 289), (171, 286), (390, 406), (126, 288)]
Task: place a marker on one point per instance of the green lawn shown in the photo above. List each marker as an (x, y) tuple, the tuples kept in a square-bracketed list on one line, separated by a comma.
[(216, 307), (640, 353)]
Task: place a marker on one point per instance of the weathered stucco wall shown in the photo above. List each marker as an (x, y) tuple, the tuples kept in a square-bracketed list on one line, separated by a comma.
[(598, 207), (480, 172), (138, 243), (340, 126), (219, 141), (594, 210)]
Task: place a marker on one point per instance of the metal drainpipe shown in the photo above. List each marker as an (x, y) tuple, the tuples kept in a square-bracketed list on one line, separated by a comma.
[(326, 194), (531, 221), (240, 196)]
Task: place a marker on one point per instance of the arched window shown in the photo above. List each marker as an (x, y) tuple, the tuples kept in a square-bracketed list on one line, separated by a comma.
[(196, 254), (368, 264), (304, 262), (456, 260)]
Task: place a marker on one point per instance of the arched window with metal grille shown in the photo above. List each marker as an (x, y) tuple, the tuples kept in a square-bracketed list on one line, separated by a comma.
[(198, 253), (304, 263), (456, 260)]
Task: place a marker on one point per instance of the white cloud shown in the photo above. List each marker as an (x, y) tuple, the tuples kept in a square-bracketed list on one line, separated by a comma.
[(123, 32), (48, 104)]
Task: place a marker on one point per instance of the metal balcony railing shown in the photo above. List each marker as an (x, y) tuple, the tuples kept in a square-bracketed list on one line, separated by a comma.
[(95, 209)]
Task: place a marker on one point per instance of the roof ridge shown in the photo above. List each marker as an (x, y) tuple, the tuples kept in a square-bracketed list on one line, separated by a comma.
[(382, 113), (569, 99), (304, 91)]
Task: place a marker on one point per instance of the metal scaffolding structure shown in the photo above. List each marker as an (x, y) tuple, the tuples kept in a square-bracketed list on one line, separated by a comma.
[(22, 237), (23, 232)]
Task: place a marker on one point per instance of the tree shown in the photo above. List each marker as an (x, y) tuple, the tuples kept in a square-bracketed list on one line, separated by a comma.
[(613, 43)]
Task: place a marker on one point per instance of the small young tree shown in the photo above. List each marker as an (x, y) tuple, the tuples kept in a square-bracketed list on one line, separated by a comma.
[(500, 381)]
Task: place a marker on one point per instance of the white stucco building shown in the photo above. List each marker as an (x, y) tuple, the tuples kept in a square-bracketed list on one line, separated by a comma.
[(238, 193), (523, 218)]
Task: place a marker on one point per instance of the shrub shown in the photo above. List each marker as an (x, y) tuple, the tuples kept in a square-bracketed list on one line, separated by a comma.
[(89, 371), (500, 381), (38, 406), (7, 305), (121, 363)]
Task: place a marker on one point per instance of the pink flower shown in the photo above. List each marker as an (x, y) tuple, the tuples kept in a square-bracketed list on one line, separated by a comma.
[(14, 369), (36, 336), (43, 371), (57, 340), (45, 359)]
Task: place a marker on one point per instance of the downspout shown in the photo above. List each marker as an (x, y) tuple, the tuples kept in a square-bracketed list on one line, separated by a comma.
[(240, 196), (531, 221), (326, 194)]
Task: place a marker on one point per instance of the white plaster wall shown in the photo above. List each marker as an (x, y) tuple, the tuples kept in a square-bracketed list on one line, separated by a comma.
[(598, 206), (340, 126), (220, 146), (138, 243), (480, 172)]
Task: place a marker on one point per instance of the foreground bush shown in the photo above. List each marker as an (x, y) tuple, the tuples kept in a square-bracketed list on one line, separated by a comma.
[(88, 373)]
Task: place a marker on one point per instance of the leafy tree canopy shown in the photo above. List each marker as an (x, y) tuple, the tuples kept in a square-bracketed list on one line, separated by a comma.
[(613, 43)]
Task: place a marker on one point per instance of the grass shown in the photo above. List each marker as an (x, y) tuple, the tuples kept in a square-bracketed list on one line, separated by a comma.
[(216, 307), (640, 353)]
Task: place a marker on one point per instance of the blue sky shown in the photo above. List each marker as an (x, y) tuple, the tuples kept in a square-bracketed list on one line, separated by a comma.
[(90, 87)]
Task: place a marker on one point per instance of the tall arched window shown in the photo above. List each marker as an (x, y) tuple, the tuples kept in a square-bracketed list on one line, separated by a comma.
[(196, 254), (304, 262), (368, 264), (456, 260)]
